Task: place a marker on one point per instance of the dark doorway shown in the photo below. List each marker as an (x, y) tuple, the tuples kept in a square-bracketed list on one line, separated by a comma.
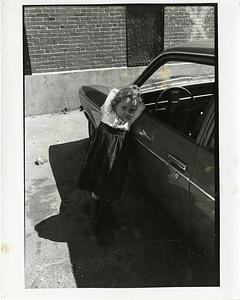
[(145, 30)]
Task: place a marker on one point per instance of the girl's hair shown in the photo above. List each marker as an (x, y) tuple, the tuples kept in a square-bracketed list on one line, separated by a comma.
[(132, 92)]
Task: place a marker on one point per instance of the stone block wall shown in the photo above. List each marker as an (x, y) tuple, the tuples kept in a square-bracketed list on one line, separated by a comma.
[(63, 38), (82, 37), (187, 23)]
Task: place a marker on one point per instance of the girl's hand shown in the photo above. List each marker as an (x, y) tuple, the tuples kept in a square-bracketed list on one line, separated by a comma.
[(137, 112)]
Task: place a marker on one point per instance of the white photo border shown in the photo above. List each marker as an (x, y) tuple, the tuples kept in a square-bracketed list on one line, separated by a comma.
[(12, 163)]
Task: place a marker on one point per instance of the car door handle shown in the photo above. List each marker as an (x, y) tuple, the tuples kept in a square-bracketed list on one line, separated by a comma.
[(177, 162)]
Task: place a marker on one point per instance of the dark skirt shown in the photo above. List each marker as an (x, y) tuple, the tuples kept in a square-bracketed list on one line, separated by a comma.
[(106, 162)]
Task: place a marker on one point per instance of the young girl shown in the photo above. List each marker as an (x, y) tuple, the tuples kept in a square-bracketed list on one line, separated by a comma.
[(106, 161)]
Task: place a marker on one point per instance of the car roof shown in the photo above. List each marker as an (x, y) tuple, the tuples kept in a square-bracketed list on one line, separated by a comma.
[(203, 46)]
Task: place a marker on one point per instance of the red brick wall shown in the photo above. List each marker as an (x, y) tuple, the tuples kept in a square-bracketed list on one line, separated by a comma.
[(75, 37), (187, 23), (63, 38)]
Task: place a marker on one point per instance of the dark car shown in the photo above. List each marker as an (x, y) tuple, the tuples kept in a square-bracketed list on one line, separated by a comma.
[(173, 141)]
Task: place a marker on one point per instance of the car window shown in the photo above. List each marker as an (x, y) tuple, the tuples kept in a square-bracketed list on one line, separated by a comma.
[(211, 142), (179, 94)]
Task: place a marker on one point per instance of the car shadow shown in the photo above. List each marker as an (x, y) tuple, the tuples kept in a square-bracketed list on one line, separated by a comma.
[(148, 251)]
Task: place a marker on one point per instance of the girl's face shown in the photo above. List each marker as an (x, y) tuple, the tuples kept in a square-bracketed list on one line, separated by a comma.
[(125, 109)]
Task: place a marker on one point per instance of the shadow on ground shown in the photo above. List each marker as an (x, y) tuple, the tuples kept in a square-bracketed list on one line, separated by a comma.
[(148, 251)]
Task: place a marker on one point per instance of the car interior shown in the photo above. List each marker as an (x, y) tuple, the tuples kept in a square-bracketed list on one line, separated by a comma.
[(181, 108)]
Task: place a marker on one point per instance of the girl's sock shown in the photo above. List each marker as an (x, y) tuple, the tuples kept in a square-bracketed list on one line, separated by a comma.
[(95, 208)]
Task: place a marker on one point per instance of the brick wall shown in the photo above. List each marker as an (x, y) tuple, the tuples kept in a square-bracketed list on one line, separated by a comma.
[(187, 23), (75, 37), (64, 38)]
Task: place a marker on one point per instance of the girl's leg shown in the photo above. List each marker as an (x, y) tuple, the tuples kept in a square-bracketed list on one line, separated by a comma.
[(92, 207), (107, 212), (95, 207), (98, 207), (101, 208)]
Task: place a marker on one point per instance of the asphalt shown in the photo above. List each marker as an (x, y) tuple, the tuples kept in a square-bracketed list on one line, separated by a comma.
[(60, 251)]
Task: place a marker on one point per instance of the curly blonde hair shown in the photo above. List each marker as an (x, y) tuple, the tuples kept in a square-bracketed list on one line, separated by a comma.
[(131, 92)]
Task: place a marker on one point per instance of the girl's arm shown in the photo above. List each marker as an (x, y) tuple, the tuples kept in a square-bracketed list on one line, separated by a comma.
[(137, 112), (106, 107)]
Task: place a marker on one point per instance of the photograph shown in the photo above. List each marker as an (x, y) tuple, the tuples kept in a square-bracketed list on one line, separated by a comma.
[(120, 150), (121, 146)]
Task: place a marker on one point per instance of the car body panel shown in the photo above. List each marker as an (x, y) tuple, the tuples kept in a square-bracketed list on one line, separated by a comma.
[(202, 201), (202, 190), (158, 142), (92, 108)]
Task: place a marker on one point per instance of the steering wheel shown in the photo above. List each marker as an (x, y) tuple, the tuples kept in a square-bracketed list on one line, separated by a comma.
[(174, 117), (173, 89)]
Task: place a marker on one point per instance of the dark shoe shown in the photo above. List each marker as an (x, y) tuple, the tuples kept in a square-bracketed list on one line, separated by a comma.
[(113, 220)]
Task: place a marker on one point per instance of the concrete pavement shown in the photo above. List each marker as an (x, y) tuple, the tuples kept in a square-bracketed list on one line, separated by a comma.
[(47, 262)]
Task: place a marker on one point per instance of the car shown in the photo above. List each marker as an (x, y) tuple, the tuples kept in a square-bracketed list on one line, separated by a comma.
[(173, 141)]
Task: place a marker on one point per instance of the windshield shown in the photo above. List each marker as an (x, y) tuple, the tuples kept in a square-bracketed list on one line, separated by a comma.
[(178, 73)]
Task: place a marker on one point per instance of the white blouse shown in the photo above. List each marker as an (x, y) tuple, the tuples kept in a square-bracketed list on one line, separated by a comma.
[(109, 116)]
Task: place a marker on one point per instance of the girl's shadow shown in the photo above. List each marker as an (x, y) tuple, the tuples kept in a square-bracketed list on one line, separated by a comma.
[(72, 223)]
